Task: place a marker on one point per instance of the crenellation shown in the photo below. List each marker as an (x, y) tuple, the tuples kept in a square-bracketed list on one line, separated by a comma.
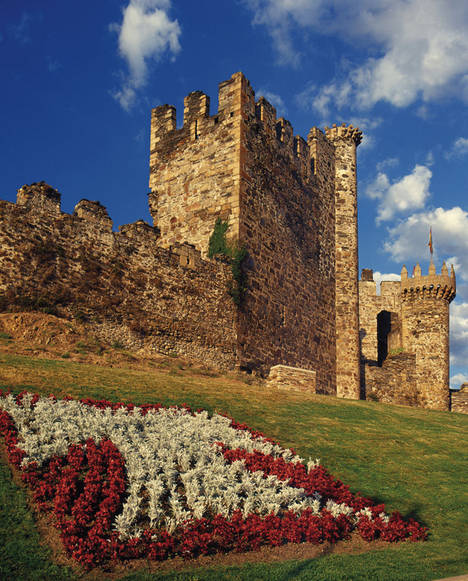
[(344, 132), (196, 106), (266, 113), (284, 132), (163, 121), (39, 197), (322, 154), (94, 212)]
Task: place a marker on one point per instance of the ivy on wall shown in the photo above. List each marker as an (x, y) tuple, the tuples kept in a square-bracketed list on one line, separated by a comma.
[(234, 254)]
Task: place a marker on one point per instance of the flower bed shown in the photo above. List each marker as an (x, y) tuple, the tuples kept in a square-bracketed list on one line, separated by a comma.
[(128, 482)]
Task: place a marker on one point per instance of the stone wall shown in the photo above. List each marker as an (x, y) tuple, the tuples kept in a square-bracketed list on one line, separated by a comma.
[(126, 287), (287, 227), (393, 382), (371, 305), (245, 166), (459, 399), (345, 140), (410, 319), (292, 378), (194, 171)]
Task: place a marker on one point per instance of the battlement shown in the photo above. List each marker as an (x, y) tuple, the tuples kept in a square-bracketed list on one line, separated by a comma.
[(39, 197), (369, 289), (236, 102), (433, 285), (94, 212), (343, 132), (140, 231)]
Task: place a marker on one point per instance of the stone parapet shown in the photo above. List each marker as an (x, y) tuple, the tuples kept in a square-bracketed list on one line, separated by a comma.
[(459, 399), (440, 286), (292, 378)]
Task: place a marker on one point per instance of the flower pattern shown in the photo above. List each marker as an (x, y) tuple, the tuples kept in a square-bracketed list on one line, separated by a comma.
[(151, 481)]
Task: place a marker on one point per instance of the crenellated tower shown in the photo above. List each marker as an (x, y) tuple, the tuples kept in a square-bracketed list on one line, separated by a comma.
[(425, 330), (346, 139), (276, 191)]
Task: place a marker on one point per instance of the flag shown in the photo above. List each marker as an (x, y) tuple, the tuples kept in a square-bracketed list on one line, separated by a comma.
[(431, 248)]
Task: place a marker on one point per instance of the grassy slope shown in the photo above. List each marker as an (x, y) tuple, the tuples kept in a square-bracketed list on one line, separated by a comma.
[(413, 460)]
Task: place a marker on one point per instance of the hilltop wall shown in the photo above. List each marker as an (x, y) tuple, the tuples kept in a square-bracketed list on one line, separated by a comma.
[(126, 287)]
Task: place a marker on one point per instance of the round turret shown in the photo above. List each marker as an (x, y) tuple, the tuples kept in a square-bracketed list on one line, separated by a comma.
[(343, 131), (433, 285), (425, 303)]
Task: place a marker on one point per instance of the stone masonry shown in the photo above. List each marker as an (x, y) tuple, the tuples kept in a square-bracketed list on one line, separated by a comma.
[(291, 204), (129, 290), (404, 335)]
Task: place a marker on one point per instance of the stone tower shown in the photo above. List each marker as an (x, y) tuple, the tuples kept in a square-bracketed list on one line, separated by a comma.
[(425, 330), (276, 191), (404, 333), (346, 139)]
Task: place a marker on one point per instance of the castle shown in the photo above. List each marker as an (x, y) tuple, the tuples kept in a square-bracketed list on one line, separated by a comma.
[(291, 204)]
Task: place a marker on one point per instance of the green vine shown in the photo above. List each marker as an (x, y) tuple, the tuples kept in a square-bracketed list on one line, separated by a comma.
[(218, 246)]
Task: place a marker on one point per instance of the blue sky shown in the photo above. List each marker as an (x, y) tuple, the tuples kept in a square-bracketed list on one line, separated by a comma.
[(79, 80)]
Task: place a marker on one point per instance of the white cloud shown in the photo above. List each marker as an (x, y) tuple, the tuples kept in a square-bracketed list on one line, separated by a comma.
[(408, 193), (408, 240), (146, 33), (457, 380), (273, 99), (459, 148), (459, 334), (421, 46), (380, 277), (389, 162)]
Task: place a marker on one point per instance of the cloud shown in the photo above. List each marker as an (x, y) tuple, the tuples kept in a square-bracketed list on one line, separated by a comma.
[(421, 46), (459, 334), (389, 162), (459, 148), (21, 31), (380, 277), (408, 193), (457, 380), (273, 99), (146, 33)]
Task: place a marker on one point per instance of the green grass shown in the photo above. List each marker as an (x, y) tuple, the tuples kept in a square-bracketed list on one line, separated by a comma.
[(413, 460)]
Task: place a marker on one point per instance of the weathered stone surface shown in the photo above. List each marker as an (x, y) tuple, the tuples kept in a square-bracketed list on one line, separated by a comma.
[(404, 335), (293, 378), (346, 139), (243, 165), (459, 399), (126, 287)]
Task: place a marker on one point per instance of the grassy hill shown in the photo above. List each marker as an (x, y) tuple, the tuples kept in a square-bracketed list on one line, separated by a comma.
[(413, 460)]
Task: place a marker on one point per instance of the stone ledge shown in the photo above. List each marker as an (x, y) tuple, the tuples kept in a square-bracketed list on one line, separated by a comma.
[(292, 378)]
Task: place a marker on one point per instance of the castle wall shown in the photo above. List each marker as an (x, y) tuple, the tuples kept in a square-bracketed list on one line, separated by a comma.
[(287, 227), (245, 166), (370, 305), (121, 283), (459, 399), (413, 366), (426, 333), (394, 382), (194, 171)]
